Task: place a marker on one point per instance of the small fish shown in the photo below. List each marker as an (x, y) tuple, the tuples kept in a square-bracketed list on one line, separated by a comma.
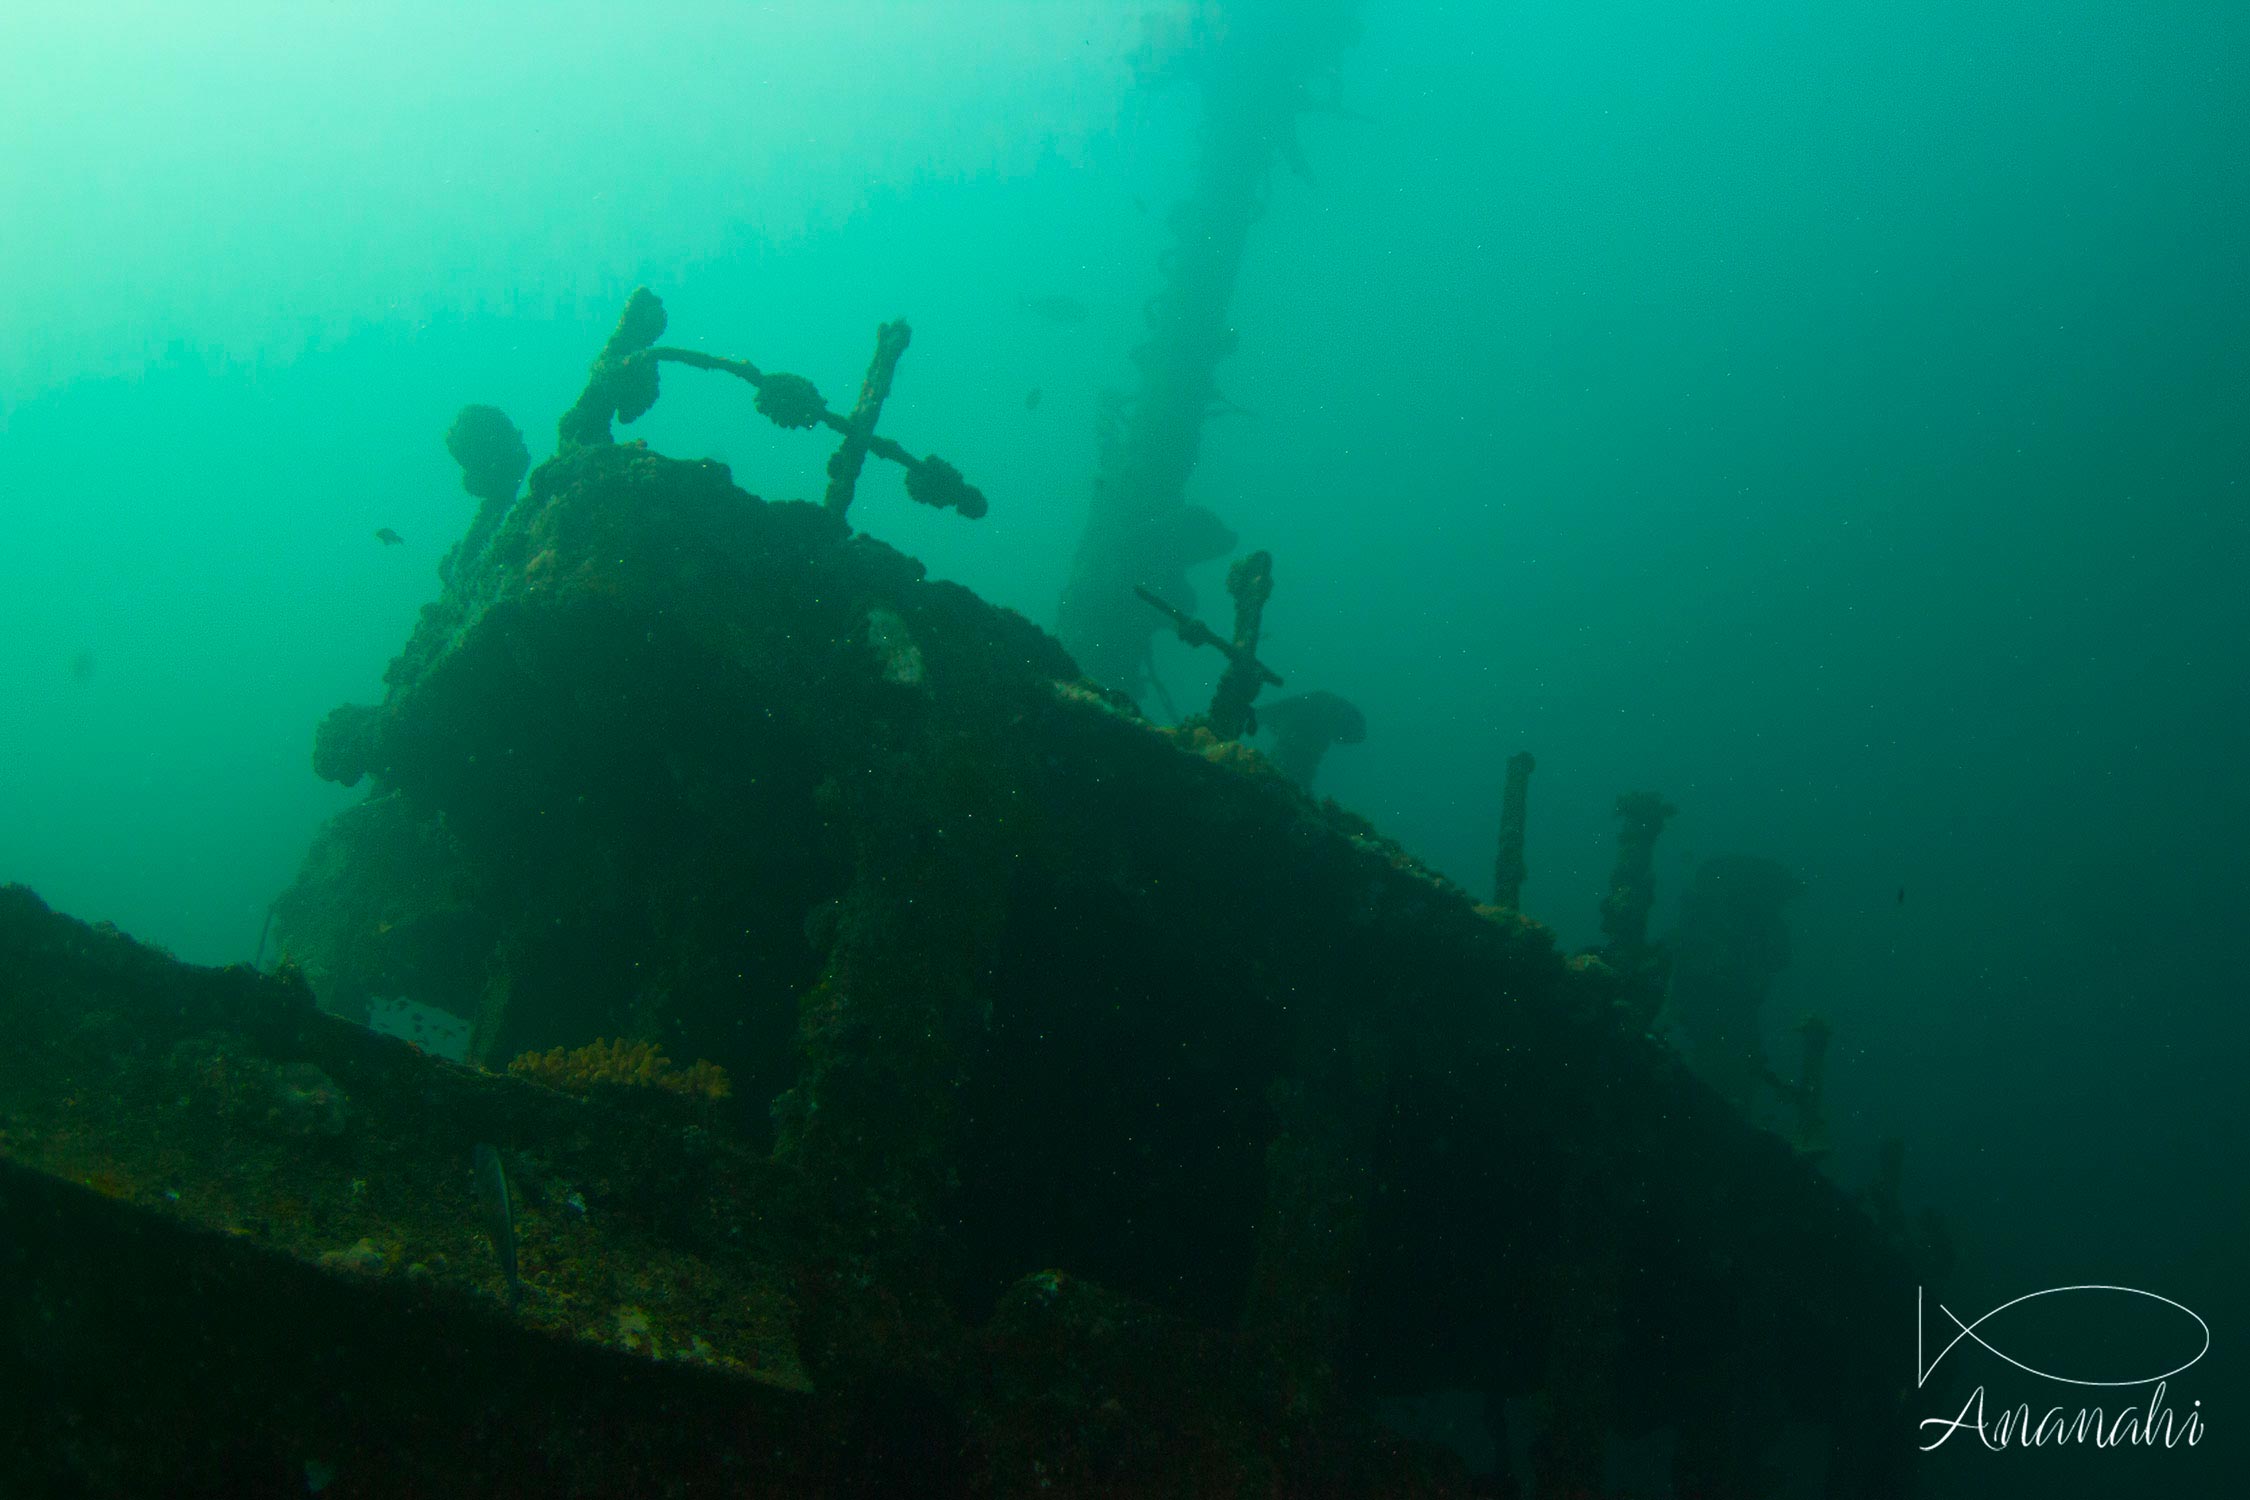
[(82, 667), (388, 537), (1902, 895), (1068, 311), (1031, 399), (499, 1217)]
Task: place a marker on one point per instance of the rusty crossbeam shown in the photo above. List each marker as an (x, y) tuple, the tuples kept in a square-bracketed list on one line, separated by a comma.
[(622, 385), (1196, 633)]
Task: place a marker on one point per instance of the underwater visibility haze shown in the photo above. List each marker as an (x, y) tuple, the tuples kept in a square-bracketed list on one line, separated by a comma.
[(1105, 1055)]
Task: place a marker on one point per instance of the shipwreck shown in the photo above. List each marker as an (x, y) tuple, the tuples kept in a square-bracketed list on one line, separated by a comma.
[(905, 1069)]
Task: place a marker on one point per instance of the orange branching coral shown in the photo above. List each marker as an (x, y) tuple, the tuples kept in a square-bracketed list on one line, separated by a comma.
[(621, 1064)]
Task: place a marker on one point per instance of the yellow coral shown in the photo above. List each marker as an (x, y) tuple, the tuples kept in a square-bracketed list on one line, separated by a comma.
[(602, 1062)]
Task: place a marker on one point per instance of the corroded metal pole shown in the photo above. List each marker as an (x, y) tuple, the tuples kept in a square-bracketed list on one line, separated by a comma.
[(621, 386), (1508, 870), (1642, 965), (1632, 887), (851, 455), (1251, 583)]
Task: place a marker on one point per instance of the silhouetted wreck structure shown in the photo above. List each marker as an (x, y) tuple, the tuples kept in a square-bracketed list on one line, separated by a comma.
[(1259, 65), (1088, 1110)]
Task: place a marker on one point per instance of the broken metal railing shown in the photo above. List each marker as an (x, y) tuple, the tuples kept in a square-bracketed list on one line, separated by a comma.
[(622, 385)]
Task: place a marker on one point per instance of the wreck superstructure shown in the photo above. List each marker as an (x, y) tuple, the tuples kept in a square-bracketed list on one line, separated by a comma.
[(1104, 1115)]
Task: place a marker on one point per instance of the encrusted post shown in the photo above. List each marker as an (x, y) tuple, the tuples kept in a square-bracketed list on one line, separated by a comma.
[(850, 455), (1632, 888), (1508, 869), (1250, 581), (622, 383), (493, 458), (1632, 891), (490, 451)]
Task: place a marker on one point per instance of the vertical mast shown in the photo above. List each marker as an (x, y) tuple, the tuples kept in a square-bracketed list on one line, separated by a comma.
[(1264, 62)]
